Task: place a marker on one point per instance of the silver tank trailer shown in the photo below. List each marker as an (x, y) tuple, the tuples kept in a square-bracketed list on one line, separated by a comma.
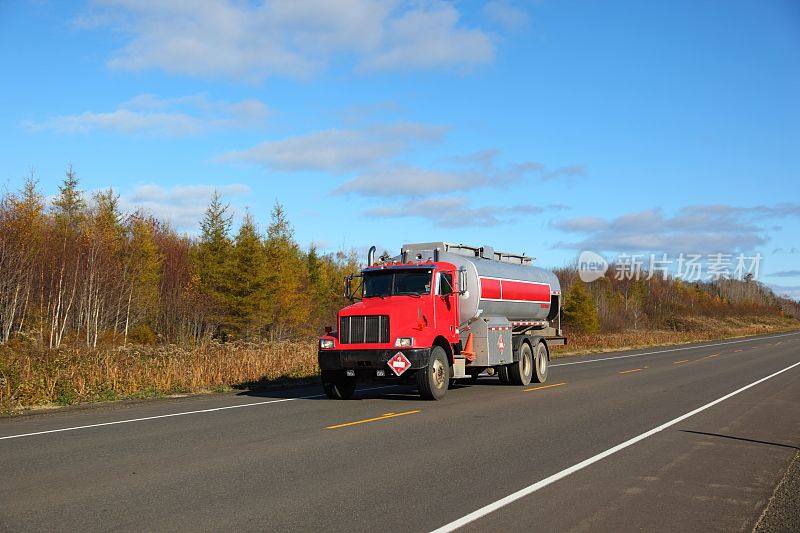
[(484, 262)]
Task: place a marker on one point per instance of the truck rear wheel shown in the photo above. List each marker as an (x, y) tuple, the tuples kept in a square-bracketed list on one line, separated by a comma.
[(521, 371), (541, 360), (433, 380), (340, 388)]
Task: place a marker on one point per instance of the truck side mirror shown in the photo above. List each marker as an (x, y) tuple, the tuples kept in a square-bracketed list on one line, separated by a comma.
[(462, 282), (349, 293)]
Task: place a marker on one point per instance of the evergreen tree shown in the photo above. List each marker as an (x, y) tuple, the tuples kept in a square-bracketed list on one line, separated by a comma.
[(106, 212), (69, 206), (314, 265), (214, 257), (28, 213), (30, 204), (319, 288), (580, 310), (248, 279), (288, 307), (145, 261)]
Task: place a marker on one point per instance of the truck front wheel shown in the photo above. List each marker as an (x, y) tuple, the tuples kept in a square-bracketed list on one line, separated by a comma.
[(521, 371), (433, 380), (340, 388)]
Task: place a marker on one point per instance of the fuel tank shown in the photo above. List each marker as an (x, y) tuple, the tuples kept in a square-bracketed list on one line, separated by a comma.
[(497, 283)]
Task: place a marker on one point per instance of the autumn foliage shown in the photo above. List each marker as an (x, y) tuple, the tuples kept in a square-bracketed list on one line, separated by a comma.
[(80, 272), (98, 304), (610, 304)]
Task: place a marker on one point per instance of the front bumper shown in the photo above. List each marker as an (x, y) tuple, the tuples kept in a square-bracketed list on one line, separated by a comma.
[(368, 361)]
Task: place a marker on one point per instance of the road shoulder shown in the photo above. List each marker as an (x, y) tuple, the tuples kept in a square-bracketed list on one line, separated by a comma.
[(783, 510)]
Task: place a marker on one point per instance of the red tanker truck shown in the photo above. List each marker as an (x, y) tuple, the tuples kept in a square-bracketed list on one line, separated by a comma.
[(441, 312)]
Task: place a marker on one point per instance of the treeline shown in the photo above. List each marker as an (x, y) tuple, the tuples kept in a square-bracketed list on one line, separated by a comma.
[(78, 271), (662, 303)]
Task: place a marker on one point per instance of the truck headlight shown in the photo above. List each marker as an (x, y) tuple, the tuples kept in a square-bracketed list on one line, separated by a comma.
[(326, 344), (404, 342)]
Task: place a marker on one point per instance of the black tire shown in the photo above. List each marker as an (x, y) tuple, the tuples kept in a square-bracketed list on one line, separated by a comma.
[(434, 379), (541, 362), (521, 371), (339, 389), (502, 373)]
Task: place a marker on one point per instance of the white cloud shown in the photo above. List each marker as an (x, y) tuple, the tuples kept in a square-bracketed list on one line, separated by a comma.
[(374, 155), (785, 274), (693, 229), (182, 206), (336, 150), (787, 291), (151, 115), (403, 180), (222, 38), (569, 173), (429, 38), (505, 14), (465, 173), (456, 211)]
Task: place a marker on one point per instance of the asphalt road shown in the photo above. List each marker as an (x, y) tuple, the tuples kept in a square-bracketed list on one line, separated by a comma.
[(506, 458)]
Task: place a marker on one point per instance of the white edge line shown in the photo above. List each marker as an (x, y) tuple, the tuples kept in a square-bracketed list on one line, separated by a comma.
[(672, 350), (169, 415), (483, 511), (200, 411)]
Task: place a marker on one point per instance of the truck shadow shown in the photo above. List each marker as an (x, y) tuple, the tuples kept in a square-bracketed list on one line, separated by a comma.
[(311, 389), (742, 439), (306, 389), (314, 392)]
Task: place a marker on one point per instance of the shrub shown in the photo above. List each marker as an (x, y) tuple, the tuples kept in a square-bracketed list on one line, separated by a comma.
[(142, 334), (580, 310)]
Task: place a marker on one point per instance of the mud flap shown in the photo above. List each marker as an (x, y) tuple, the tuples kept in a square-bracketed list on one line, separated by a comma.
[(459, 364)]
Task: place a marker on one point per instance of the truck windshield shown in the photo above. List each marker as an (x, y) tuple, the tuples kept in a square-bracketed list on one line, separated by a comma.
[(397, 282)]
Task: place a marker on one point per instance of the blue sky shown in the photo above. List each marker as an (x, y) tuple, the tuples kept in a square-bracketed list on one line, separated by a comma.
[(544, 127)]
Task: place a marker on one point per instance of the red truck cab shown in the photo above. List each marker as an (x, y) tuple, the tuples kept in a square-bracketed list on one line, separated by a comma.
[(403, 325)]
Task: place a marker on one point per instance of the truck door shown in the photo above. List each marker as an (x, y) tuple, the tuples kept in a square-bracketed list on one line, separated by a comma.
[(445, 304)]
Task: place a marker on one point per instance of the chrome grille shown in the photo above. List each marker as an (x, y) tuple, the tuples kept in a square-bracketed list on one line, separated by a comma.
[(362, 329)]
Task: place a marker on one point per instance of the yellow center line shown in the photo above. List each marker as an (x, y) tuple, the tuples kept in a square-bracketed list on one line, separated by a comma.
[(681, 361), (710, 356), (377, 418), (544, 387), (632, 370), (739, 350)]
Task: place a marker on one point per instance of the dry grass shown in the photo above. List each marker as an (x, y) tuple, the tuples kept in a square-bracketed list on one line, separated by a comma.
[(31, 378), (692, 330), (76, 375)]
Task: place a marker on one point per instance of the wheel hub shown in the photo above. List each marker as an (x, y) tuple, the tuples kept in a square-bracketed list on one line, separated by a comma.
[(526, 366), (437, 370)]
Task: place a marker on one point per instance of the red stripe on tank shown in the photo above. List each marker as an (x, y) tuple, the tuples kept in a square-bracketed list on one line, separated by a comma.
[(490, 288), (531, 292), (513, 290)]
